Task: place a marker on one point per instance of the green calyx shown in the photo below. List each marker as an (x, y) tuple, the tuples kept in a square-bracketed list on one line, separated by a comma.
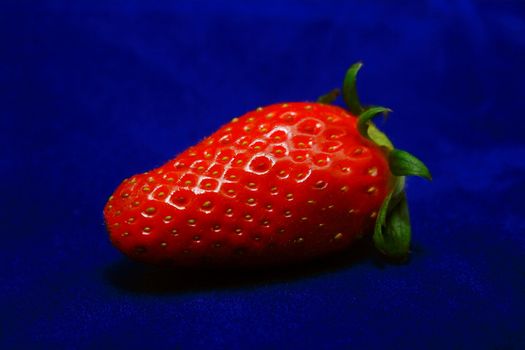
[(392, 231)]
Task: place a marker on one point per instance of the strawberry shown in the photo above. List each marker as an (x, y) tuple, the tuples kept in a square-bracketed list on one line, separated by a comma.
[(282, 183)]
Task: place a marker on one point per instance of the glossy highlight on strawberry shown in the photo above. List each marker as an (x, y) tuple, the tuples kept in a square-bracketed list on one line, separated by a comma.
[(283, 183)]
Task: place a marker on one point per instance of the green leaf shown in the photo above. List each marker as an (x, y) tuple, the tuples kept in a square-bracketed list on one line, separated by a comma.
[(379, 137), (380, 221), (350, 90), (403, 164), (392, 231), (329, 97), (364, 120)]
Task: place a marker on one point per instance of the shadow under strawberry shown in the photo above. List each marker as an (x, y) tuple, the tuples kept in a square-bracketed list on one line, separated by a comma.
[(144, 279)]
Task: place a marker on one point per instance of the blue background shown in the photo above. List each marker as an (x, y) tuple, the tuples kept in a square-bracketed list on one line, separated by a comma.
[(92, 92)]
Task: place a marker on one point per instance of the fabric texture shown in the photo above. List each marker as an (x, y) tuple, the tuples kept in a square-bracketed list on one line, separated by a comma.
[(93, 92)]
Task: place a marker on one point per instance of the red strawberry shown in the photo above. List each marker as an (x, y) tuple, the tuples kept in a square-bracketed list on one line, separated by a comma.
[(283, 183)]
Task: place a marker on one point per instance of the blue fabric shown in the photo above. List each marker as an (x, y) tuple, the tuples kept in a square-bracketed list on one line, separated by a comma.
[(92, 92)]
